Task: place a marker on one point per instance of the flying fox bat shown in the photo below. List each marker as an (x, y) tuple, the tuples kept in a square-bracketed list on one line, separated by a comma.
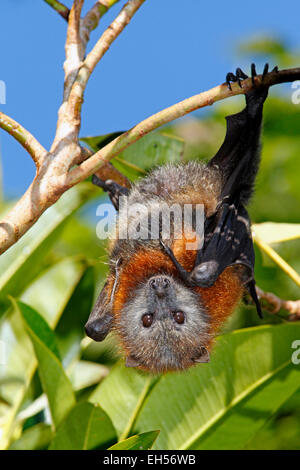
[(167, 303)]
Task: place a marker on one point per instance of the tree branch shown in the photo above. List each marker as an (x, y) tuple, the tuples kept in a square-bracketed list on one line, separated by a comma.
[(74, 48), (110, 34), (274, 304), (92, 59), (66, 138), (167, 115), (60, 8), (33, 147), (65, 144), (92, 18), (55, 177)]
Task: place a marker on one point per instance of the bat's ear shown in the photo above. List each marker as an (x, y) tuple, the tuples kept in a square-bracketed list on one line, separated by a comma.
[(203, 356), (100, 320), (131, 362)]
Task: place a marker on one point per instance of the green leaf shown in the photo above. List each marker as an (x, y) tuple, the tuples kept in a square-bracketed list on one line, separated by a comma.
[(54, 380), (152, 150), (69, 331), (36, 325), (86, 427), (84, 374), (20, 264), (281, 432), (50, 293), (245, 420), (34, 438), (121, 395), (99, 141), (142, 441), (234, 395), (271, 232)]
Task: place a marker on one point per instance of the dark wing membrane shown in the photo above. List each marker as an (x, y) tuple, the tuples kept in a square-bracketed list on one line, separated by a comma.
[(228, 243), (238, 156)]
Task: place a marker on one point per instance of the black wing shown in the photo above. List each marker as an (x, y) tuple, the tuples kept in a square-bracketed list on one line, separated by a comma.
[(228, 244), (238, 157)]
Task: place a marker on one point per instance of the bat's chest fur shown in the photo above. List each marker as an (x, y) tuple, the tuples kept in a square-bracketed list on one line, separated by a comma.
[(179, 193)]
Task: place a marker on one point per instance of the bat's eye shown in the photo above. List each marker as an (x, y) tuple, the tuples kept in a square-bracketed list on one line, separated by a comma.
[(178, 317), (147, 320)]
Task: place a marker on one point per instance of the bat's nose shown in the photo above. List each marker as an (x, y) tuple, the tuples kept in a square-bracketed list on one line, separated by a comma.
[(160, 285), (94, 329)]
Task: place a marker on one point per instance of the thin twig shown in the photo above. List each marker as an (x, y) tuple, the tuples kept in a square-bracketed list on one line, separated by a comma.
[(274, 304), (65, 146), (92, 18), (66, 138), (169, 114), (96, 54), (111, 33), (33, 147), (60, 8), (74, 48), (277, 259)]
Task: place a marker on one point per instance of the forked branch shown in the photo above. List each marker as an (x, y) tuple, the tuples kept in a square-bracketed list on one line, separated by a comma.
[(33, 147), (60, 8), (55, 170)]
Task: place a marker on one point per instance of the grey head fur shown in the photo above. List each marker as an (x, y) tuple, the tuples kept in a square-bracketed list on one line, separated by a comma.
[(165, 344)]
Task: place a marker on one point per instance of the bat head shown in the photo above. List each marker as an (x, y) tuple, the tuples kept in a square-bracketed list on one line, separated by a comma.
[(163, 326)]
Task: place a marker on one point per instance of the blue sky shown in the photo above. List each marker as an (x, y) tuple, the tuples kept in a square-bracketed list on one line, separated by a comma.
[(172, 49)]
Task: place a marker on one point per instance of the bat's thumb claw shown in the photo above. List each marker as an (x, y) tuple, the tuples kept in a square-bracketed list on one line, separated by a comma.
[(205, 274)]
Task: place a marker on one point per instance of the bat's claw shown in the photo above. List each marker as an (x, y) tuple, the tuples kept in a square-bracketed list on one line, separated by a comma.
[(240, 76), (237, 77), (230, 77), (253, 73), (265, 71)]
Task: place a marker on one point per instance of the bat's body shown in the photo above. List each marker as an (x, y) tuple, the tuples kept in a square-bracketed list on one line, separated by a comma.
[(167, 302)]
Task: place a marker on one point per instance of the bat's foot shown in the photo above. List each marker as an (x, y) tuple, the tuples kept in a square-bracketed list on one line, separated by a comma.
[(99, 182), (113, 189), (239, 75)]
